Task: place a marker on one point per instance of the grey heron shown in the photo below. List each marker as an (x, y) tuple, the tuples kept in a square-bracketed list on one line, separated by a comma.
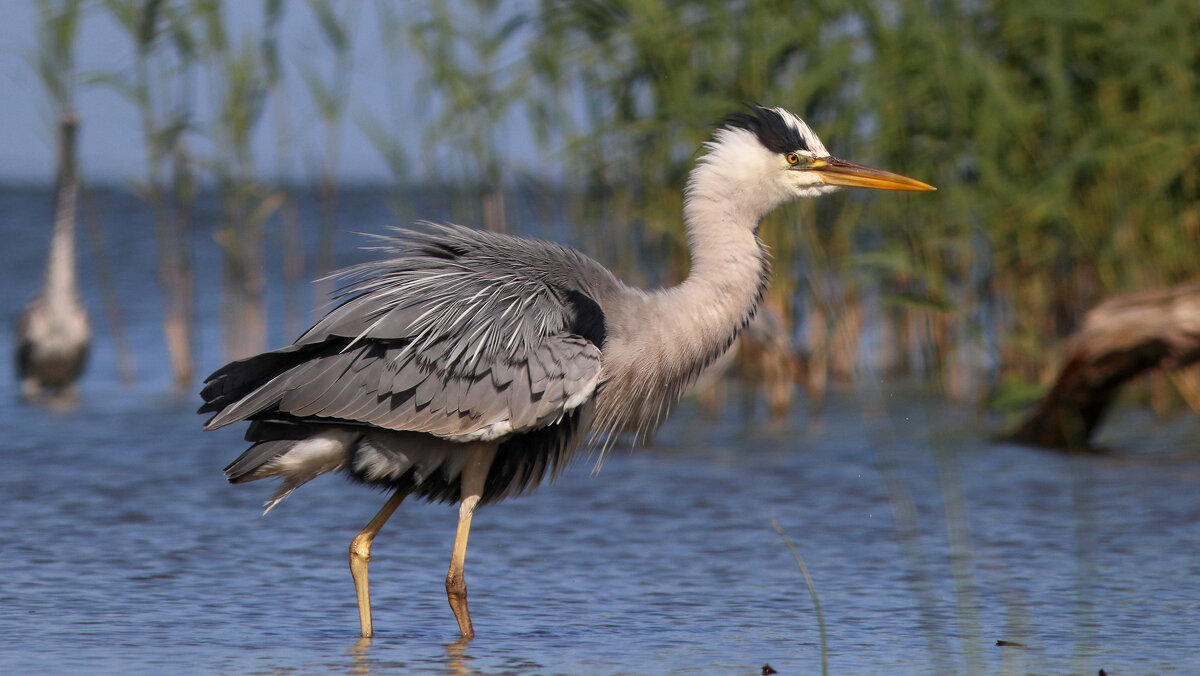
[(53, 332), (468, 366)]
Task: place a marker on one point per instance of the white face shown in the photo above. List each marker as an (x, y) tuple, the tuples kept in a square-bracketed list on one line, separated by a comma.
[(800, 181)]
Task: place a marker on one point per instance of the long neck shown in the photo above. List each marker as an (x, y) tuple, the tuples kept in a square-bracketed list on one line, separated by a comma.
[(727, 276), (722, 210), (729, 272), (60, 266), (660, 341)]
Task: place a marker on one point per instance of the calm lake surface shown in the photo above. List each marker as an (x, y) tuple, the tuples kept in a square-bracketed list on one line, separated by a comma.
[(124, 550)]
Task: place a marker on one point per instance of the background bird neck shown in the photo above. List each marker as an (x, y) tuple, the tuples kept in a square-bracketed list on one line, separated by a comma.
[(60, 265)]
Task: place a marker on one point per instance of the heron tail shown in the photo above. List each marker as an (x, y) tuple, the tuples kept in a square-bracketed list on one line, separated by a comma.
[(297, 453)]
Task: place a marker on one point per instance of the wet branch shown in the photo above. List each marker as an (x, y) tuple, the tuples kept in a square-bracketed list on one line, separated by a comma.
[(1120, 339)]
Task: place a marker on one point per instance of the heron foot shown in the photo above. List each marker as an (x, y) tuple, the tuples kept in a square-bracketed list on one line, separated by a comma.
[(456, 593)]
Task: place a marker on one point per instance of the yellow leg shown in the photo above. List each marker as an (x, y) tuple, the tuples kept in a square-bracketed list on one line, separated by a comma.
[(473, 477), (456, 584), (360, 556)]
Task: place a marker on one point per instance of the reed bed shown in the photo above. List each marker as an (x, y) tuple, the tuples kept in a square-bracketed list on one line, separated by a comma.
[(1064, 139)]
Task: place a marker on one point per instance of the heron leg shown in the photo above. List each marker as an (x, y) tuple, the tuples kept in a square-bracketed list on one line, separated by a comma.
[(473, 477), (360, 556)]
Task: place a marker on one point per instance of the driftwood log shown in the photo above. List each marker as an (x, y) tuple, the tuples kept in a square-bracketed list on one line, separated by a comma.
[(1121, 338)]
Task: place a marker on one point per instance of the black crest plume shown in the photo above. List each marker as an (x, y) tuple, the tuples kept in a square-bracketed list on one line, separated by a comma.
[(772, 130)]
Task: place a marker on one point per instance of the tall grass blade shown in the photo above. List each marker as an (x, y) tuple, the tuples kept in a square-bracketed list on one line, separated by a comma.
[(812, 590)]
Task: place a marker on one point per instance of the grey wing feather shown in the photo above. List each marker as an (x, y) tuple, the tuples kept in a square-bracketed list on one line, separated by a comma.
[(464, 335)]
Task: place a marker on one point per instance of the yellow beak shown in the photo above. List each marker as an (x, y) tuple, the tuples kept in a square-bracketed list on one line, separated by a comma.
[(840, 172)]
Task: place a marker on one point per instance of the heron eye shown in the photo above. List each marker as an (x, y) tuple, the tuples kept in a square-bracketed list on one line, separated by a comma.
[(793, 159)]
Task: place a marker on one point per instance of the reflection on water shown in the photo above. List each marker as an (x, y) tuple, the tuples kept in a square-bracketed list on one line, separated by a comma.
[(123, 549), (455, 662)]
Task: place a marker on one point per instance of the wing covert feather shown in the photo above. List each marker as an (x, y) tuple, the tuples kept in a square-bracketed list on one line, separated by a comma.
[(463, 335)]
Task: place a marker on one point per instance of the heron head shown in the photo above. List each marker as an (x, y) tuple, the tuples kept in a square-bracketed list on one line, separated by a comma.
[(770, 156)]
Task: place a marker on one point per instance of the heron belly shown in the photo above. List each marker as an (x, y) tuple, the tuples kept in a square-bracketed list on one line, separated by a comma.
[(307, 459)]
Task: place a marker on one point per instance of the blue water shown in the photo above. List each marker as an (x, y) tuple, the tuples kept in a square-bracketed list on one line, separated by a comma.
[(123, 549)]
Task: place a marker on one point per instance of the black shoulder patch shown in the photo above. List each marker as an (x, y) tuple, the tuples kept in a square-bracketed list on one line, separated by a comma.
[(771, 129)]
